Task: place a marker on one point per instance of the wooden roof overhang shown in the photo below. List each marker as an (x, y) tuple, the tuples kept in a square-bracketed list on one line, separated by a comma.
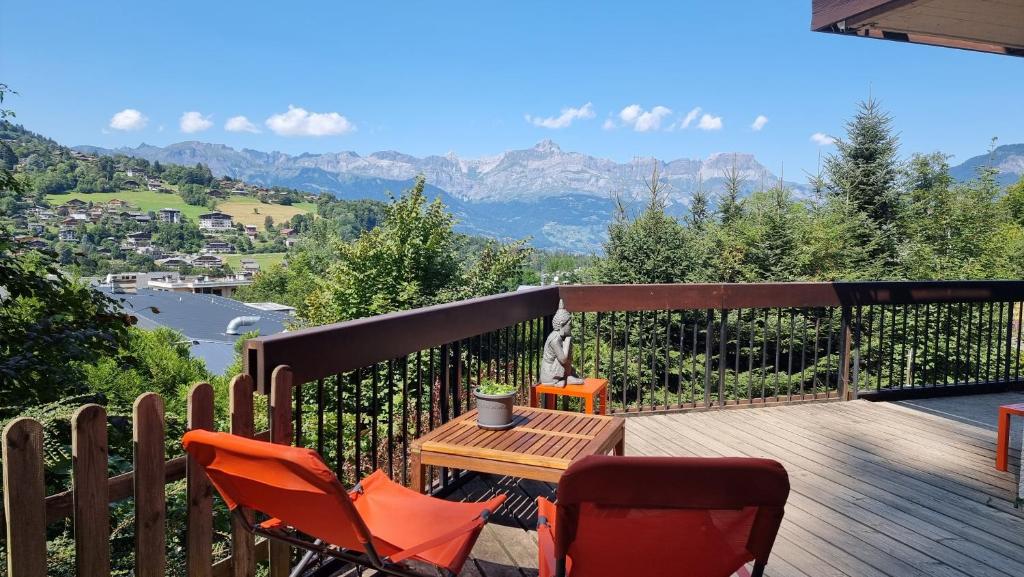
[(995, 26)]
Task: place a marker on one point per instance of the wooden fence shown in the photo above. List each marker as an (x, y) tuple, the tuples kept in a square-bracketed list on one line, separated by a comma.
[(28, 510)]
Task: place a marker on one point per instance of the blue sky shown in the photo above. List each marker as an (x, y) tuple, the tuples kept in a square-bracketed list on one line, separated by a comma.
[(480, 77)]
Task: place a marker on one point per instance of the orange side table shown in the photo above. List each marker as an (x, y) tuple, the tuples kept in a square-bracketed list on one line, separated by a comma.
[(590, 390), (1003, 442)]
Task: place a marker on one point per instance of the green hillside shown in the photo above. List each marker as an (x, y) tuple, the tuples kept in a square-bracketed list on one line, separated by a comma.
[(265, 259), (239, 207)]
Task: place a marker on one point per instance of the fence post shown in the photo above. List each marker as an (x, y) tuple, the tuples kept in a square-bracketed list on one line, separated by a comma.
[(24, 498), (243, 560), (89, 454), (280, 433), (148, 482), (199, 553), (844, 354)]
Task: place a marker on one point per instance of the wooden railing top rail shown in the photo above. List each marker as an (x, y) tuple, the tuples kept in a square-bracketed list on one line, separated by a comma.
[(608, 298), (319, 352)]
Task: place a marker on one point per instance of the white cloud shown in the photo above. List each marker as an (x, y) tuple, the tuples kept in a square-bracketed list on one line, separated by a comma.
[(191, 122), (709, 122), (690, 117), (759, 122), (300, 122), (609, 124), (240, 124), (128, 119), (644, 120), (564, 119), (822, 139), (630, 113)]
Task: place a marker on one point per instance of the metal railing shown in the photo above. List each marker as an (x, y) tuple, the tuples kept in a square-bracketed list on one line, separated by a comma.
[(366, 388)]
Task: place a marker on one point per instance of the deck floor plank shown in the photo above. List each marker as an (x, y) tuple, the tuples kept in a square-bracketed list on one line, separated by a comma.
[(879, 489)]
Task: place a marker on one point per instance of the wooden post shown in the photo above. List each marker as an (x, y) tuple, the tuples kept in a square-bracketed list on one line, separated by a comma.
[(24, 498), (280, 433), (199, 553), (91, 492), (148, 481), (243, 560)]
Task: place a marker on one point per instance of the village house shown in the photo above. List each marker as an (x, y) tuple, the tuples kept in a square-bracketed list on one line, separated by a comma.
[(216, 221), (138, 239), (170, 215), (32, 242), (251, 231), (250, 266), (117, 203), (172, 262), (207, 261), (35, 228), (68, 234), (218, 247)]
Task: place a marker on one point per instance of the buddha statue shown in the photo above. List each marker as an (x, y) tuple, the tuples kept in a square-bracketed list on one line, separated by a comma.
[(556, 364)]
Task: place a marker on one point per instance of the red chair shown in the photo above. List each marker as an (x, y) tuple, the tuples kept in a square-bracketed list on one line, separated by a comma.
[(379, 524), (662, 517)]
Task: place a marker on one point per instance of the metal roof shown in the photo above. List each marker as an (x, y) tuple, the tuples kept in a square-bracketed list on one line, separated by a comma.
[(201, 318)]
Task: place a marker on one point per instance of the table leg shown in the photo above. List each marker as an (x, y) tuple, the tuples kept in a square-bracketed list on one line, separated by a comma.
[(604, 401), (1003, 437), (533, 397), (590, 405), (418, 473), (549, 401), (620, 447)]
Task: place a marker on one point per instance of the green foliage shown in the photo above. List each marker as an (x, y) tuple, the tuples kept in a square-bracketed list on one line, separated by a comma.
[(865, 171), (194, 194), (490, 386), (651, 248), (50, 325)]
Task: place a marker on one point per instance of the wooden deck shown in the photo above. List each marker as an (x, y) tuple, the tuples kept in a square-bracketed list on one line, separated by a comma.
[(878, 489)]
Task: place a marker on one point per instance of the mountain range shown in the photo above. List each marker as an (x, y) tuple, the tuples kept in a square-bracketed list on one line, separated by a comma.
[(559, 199)]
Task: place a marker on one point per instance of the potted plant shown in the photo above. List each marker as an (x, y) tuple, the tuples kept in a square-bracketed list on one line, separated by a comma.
[(494, 404)]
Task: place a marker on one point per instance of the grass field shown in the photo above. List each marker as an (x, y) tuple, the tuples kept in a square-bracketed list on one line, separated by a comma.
[(243, 208), (239, 207), (266, 259)]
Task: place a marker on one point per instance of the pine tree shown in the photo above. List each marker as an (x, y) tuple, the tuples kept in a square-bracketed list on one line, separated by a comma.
[(730, 205), (7, 157), (865, 172)]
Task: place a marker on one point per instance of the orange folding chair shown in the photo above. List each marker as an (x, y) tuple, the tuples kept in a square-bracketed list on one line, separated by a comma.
[(379, 524), (662, 517)]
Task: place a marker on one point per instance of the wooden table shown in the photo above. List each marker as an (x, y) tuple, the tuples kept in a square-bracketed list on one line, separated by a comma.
[(541, 446)]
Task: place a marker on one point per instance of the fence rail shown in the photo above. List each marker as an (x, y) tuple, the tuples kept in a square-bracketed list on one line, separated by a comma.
[(28, 511)]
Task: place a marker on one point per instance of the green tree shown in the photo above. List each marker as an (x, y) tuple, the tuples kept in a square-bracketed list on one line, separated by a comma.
[(49, 326), (865, 171), (7, 157), (650, 248)]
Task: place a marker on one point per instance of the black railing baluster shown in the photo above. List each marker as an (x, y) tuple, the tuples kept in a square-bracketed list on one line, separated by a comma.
[(778, 350), (320, 416), (405, 420), (1009, 340), (419, 392), (391, 417), (789, 354), (723, 344), (736, 365), (299, 441), (339, 429), (750, 356), (375, 416), (817, 343), (828, 354), (625, 366), (707, 357), (597, 346), (764, 357), (988, 345), (924, 355), (693, 370), (880, 367), (957, 362), (904, 373), (358, 441)]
